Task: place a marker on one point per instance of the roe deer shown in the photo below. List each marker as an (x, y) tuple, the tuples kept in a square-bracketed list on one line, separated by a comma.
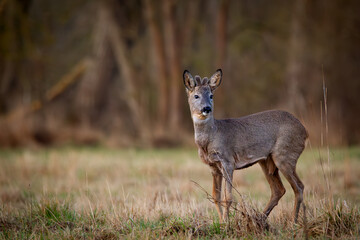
[(274, 139)]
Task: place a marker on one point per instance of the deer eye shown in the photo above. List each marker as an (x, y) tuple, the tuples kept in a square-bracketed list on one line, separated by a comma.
[(211, 96), (196, 96)]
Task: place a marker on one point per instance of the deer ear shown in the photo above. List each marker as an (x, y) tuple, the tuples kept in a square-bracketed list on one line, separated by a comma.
[(215, 79), (189, 81)]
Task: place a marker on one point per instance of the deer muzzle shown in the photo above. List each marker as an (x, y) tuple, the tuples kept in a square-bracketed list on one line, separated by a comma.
[(205, 111)]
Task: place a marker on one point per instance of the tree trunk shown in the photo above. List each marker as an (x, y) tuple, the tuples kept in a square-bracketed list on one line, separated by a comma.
[(5, 82), (221, 33), (128, 75), (296, 102), (221, 42), (192, 9), (98, 72), (160, 65), (173, 47)]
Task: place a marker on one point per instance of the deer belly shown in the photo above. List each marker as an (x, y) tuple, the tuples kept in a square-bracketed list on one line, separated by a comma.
[(246, 161)]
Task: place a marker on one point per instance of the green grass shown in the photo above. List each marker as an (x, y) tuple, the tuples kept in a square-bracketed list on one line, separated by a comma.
[(100, 193)]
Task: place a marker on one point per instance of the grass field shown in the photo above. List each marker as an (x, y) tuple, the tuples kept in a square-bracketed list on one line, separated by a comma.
[(99, 193)]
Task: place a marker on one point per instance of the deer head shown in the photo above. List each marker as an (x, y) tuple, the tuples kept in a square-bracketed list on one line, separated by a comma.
[(200, 94)]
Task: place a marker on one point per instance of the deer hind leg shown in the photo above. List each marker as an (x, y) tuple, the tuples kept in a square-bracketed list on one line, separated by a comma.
[(288, 169), (216, 192), (277, 188)]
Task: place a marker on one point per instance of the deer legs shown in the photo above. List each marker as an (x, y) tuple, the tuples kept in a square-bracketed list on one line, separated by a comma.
[(277, 188), (227, 174), (289, 172), (216, 192), (270, 167), (296, 185)]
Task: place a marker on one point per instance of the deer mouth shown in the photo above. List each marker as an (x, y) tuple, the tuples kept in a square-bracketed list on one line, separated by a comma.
[(202, 116), (205, 114)]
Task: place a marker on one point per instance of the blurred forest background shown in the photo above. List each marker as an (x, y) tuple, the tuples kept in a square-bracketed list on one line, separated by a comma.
[(110, 72)]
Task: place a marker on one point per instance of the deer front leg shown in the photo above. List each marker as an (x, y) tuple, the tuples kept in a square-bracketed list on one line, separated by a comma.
[(216, 192), (228, 175)]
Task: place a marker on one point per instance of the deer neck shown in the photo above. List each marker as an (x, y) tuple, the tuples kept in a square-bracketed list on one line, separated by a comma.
[(204, 131)]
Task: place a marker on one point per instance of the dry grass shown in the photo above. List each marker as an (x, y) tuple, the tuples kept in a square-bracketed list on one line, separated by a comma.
[(108, 194)]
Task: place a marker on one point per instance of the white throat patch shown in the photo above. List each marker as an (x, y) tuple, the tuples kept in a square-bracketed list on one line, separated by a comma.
[(200, 118)]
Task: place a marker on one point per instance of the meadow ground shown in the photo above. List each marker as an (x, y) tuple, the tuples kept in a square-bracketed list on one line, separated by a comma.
[(99, 193)]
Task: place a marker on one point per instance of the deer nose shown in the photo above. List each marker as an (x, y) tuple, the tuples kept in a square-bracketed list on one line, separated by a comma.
[(206, 109)]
